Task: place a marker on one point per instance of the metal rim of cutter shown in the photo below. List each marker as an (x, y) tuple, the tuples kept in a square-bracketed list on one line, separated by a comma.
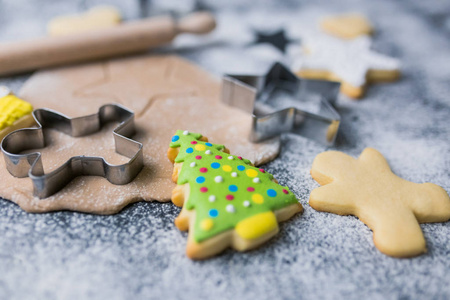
[(245, 91), (45, 185)]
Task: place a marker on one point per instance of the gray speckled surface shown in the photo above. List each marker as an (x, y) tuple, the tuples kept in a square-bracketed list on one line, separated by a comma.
[(139, 253)]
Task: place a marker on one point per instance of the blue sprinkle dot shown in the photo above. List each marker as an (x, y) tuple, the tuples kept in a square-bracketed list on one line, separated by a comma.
[(233, 188), (241, 168), (189, 150), (208, 144), (213, 213), (215, 165), (175, 138), (200, 179), (271, 193)]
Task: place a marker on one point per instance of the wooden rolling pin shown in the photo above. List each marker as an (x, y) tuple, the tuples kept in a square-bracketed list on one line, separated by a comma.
[(127, 38)]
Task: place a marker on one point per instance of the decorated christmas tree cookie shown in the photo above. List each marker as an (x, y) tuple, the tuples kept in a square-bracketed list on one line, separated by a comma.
[(226, 201)]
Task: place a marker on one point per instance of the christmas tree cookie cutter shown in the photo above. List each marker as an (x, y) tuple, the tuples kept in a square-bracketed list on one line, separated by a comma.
[(45, 185), (257, 94)]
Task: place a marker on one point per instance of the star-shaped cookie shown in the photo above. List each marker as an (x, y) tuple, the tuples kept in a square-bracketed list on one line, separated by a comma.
[(391, 206), (347, 26), (351, 62)]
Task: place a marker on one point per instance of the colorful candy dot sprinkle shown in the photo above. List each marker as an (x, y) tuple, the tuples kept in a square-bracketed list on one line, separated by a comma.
[(271, 193), (215, 165), (193, 164), (285, 191), (234, 174), (241, 168), (246, 203), (194, 142), (189, 150), (229, 197), (227, 168), (203, 170), (251, 189), (208, 152), (185, 132), (233, 188), (218, 179), (230, 208), (208, 144), (213, 213), (207, 224), (240, 157), (198, 157), (203, 189), (200, 147), (200, 179), (218, 157), (256, 180), (175, 138), (230, 157), (251, 173), (262, 171), (257, 198), (212, 198)]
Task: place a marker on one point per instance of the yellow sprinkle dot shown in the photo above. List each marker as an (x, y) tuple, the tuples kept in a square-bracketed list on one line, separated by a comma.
[(227, 168), (207, 224), (257, 198), (251, 173), (200, 147)]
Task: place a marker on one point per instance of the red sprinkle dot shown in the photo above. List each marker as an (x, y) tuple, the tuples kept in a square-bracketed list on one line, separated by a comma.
[(262, 171), (198, 157), (194, 142), (218, 157), (250, 189), (285, 191), (229, 197), (203, 170), (203, 189), (240, 157)]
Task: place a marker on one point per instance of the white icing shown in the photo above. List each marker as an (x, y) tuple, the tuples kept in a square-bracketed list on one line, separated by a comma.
[(348, 59), (193, 164), (230, 208), (212, 198), (218, 179)]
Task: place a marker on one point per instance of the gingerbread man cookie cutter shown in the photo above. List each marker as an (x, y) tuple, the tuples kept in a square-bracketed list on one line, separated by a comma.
[(45, 185), (256, 95)]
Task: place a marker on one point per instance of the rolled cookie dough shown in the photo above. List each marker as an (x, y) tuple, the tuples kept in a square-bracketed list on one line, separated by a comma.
[(165, 92)]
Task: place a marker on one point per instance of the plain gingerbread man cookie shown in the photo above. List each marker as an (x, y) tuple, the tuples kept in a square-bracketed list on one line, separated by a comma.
[(391, 206), (227, 202)]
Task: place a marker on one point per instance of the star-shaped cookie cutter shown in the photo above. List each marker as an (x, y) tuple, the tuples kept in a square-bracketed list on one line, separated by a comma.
[(45, 185), (256, 95)]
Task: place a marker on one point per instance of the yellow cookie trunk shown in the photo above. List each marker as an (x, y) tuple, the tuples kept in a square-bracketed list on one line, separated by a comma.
[(12, 109), (256, 226)]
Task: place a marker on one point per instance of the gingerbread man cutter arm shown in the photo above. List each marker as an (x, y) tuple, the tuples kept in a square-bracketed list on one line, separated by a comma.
[(45, 185), (247, 91)]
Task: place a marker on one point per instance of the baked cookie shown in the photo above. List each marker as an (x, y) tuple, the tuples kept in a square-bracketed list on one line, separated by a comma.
[(350, 62), (99, 17), (15, 113), (347, 26), (226, 201), (391, 206)]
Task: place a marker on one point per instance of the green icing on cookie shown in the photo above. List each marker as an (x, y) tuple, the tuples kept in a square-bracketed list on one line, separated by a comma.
[(224, 189)]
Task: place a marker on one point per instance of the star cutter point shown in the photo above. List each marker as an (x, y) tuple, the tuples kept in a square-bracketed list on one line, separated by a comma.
[(257, 94), (45, 185)]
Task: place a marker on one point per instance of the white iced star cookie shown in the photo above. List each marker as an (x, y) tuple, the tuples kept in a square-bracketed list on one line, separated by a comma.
[(351, 62)]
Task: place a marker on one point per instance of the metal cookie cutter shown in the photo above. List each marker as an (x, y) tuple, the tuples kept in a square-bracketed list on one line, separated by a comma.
[(45, 185), (277, 103)]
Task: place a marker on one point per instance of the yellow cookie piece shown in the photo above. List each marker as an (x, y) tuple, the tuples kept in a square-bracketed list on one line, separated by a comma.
[(348, 26), (389, 205), (99, 17), (15, 113)]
